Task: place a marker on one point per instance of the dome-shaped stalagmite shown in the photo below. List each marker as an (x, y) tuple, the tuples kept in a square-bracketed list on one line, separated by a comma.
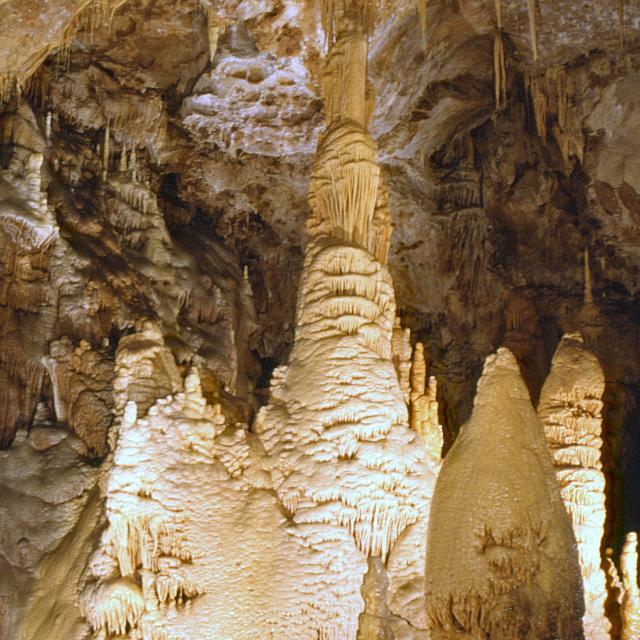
[(501, 556)]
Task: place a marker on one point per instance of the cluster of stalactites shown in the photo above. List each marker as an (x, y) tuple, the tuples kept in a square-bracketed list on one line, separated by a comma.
[(345, 185), (551, 95), (499, 63)]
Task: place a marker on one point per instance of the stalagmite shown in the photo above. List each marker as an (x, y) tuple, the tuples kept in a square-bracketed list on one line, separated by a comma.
[(182, 485), (424, 405), (374, 620), (570, 410), (501, 557), (401, 350), (349, 472), (630, 605)]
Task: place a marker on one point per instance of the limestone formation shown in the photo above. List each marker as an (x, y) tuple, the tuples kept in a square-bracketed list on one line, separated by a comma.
[(49, 511), (182, 484), (82, 394), (402, 351), (336, 427), (423, 408), (630, 605), (238, 241), (511, 570), (570, 410)]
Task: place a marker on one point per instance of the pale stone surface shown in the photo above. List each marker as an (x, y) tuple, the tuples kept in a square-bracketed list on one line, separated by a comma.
[(511, 570), (570, 410)]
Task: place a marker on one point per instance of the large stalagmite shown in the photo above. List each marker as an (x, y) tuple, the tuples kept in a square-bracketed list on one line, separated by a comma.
[(349, 472), (501, 556), (570, 410)]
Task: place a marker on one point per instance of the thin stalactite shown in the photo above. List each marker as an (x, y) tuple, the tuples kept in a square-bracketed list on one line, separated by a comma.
[(532, 7), (620, 5), (499, 66)]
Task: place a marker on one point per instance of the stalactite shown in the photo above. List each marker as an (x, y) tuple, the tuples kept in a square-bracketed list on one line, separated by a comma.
[(422, 12), (116, 607), (344, 184), (345, 75), (621, 34), (82, 394), (90, 15), (105, 151), (551, 99), (532, 7), (540, 107), (499, 65), (135, 120), (570, 410), (588, 292)]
